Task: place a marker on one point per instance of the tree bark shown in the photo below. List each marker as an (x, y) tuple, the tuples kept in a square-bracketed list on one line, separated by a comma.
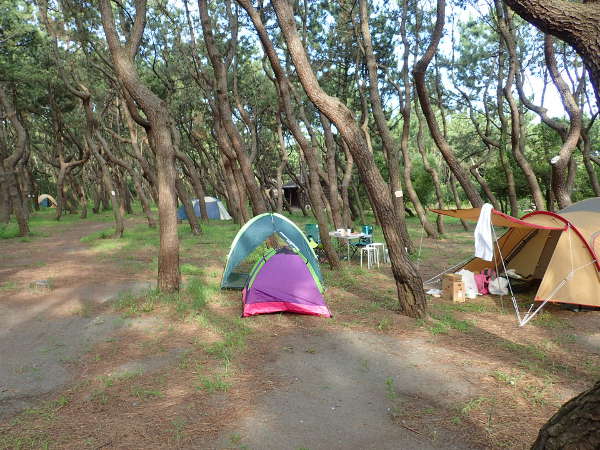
[(330, 145), (575, 23), (280, 167), (188, 206), (560, 184), (157, 127), (10, 163), (576, 425), (419, 76), (315, 190), (384, 131), (516, 137), (408, 282), (109, 187), (222, 103)]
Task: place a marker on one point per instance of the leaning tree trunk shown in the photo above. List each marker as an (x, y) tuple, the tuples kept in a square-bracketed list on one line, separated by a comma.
[(576, 425), (586, 150), (408, 282), (573, 22), (419, 71), (330, 145), (384, 131), (433, 173), (188, 206), (308, 150), (222, 100)]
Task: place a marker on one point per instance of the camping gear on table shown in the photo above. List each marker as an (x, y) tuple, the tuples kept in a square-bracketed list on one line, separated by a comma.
[(254, 233), (214, 209), (283, 281), (560, 250)]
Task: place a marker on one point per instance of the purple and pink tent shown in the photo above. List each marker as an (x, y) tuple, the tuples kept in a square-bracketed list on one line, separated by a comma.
[(282, 280)]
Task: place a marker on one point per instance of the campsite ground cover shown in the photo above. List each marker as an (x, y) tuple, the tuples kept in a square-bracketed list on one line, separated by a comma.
[(99, 359)]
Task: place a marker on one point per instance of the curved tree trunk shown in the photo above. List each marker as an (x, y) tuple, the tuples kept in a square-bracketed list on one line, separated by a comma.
[(431, 171), (222, 100), (587, 162), (419, 71), (159, 136), (10, 163), (560, 181), (573, 22), (280, 167), (336, 211)]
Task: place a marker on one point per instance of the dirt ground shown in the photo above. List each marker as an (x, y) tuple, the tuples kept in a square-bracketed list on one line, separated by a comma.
[(93, 361)]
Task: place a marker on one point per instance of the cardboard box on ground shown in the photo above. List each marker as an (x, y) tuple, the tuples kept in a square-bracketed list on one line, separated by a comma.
[(453, 288)]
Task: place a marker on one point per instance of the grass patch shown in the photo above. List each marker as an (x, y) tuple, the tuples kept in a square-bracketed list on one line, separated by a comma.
[(49, 409), (143, 393), (507, 378), (8, 286), (213, 383), (547, 320), (525, 350), (443, 323), (472, 405)]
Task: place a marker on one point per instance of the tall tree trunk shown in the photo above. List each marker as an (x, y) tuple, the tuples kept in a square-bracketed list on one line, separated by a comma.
[(587, 162), (5, 206), (82, 199), (222, 100), (10, 163), (280, 167), (330, 145), (389, 146), (157, 127), (504, 25), (315, 190), (419, 71), (346, 180), (408, 282), (431, 171), (560, 162)]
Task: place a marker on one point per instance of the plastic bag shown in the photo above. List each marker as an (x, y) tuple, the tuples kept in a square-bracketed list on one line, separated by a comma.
[(498, 286)]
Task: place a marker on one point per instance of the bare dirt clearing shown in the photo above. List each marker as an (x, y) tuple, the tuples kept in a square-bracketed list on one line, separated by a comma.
[(92, 364)]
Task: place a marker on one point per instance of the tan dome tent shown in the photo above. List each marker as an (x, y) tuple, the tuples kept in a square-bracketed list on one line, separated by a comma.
[(559, 249), (46, 200)]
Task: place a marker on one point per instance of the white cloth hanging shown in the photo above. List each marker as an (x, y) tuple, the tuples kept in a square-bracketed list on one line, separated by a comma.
[(484, 243)]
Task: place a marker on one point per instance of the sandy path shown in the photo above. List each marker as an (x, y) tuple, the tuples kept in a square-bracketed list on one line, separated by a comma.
[(42, 331)]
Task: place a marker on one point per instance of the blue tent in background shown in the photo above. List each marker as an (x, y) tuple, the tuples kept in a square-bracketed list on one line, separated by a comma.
[(214, 209), (46, 201), (254, 233)]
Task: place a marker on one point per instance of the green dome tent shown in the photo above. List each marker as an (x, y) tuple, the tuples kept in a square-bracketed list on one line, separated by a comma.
[(255, 232)]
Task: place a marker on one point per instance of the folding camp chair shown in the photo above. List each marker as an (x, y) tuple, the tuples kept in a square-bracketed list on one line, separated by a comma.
[(311, 230), (365, 240)]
